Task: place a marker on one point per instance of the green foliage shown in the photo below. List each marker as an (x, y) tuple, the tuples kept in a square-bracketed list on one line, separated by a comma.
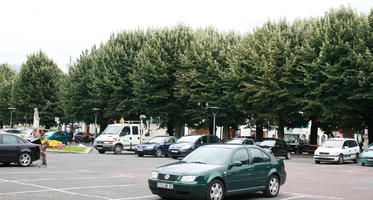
[(6, 81)]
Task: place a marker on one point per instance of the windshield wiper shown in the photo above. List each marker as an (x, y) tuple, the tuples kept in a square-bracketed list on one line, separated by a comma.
[(199, 162)]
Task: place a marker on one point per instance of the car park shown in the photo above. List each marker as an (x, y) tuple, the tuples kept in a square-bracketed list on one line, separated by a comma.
[(183, 146), (240, 140), (366, 157), (337, 150), (61, 136), (276, 147), (116, 137), (156, 146), (298, 145), (217, 170), (15, 149)]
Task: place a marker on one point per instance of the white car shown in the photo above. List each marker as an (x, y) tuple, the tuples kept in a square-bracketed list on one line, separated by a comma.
[(337, 150)]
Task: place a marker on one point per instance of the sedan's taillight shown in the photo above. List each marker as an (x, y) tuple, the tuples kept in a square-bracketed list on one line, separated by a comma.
[(283, 165)]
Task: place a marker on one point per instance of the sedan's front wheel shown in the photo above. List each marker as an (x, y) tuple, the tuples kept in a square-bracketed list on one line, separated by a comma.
[(158, 152), (24, 160), (215, 190), (272, 187)]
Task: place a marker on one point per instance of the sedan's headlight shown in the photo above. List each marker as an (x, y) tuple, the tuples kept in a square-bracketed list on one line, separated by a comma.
[(154, 175), (149, 147), (188, 179)]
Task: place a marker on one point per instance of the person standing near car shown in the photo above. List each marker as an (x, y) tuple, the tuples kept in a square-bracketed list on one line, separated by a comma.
[(43, 153)]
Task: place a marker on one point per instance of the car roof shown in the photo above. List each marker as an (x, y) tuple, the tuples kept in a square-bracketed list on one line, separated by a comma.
[(230, 146)]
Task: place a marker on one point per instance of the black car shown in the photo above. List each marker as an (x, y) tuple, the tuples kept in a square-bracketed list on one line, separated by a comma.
[(183, 146), (80, 137), (276, 146), (299, 146), (240, 140), (15, 149)]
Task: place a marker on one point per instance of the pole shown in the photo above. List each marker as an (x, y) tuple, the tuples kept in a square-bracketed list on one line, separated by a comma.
[(96, 110), (214, 114), (11, 116)]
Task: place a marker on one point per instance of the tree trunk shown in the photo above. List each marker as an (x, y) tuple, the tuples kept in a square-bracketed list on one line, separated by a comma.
[(259, 131), (170, 127), (280, 130), (313, 134), (225, 132), (178, 127), (346, 132)]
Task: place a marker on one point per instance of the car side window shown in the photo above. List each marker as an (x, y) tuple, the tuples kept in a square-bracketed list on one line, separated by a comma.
[(214, 139), (241, 155), (204, 140), (171, 140), (346, 144), (135, 130), (125, 131), (10, 139), (259, 156), (353, 144)]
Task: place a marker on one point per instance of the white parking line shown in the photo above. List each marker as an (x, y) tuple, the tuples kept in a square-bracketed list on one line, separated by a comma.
[(296, 195), (77, 178), (143, 197)]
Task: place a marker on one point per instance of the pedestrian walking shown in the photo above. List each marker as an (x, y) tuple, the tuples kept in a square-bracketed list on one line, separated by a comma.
[(43, 153)]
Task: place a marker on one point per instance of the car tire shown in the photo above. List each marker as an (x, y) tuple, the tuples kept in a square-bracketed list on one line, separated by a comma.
[(158, 152), (362, 164), (24, 160), (118, 149), (101, 151), (215, 190), (340, 159), (317, 162), (140, 154), (356, 160), (299, 151), (288, 155), (272, 186), (174, 157), (77, 140)]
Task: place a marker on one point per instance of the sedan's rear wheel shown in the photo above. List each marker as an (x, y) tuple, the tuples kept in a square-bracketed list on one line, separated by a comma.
[(158, 152), (215, 190), (24, 160), (272, 186)]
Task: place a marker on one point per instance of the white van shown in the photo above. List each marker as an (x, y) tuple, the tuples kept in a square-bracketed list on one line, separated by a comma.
[(117, 137), (337, 150)]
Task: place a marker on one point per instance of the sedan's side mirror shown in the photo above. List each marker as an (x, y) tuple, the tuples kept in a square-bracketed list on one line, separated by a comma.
[(236, 164)]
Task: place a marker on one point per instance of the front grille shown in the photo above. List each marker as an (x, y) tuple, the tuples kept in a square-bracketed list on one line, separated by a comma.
[(325, 158), (98, 142), (171, 178), (324, 153)]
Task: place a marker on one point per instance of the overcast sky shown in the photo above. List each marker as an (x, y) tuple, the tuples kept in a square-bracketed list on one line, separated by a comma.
[(64, 28)]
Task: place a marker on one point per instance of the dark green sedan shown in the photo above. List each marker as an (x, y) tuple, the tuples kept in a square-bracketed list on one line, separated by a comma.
[(215, 171)]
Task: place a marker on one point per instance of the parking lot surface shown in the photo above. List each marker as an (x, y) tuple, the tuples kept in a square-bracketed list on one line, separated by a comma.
[(121, 177)]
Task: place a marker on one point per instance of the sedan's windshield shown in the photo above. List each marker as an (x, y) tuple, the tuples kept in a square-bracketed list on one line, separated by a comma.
[(159, 140), (234, 141), (209, 155), (188, 139), (112, 130), (47, 134), (268, 143), (332, 144)]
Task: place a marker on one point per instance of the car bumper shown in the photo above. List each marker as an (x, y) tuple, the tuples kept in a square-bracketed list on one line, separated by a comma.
[(327, 158), (105, 147), (178, 152), (145, 151), (368, 161), (179, 191)]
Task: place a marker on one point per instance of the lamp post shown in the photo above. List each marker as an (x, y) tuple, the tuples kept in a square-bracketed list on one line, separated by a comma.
[(12, 110), (96, 110), (214, 111)]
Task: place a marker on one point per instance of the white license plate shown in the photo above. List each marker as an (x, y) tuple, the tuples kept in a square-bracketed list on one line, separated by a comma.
[(99, 147), (174, 151), (140, 150), (165, 185)]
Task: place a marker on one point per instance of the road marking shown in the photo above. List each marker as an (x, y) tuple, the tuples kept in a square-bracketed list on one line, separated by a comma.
[(78, 178), (311, 196), (143, 197), (293, 198)]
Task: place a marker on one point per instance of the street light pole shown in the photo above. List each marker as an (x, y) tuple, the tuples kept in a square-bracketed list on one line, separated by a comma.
[(12, 110), (214, 111), (96, 110)]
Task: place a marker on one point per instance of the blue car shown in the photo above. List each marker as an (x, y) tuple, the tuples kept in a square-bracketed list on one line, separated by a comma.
[(156, 146), (61, 136), (187, 144)]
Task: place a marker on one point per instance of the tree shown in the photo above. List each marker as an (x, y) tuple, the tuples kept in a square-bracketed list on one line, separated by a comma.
[(6, 82), (38, 86)]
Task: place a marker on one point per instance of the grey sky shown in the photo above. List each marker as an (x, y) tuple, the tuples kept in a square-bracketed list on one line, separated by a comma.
[(64, 28)]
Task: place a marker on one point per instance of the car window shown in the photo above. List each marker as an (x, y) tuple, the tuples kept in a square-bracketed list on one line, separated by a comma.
[(352, 143), (125, 131), (135, 130), (171, 140), (346, 144), (241, 155), (249, 142), (214, 139), (10, 139), (259, 156)]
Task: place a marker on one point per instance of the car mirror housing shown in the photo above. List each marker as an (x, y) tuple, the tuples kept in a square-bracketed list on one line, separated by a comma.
[(236, 164)]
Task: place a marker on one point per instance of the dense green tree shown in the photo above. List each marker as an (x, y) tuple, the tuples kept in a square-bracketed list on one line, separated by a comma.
[(154, 79), (6, 81), (38, 86)]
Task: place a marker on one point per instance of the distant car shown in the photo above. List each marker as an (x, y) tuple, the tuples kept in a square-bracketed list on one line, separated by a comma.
[(276, 147), (156, 146), (240, 140), (10, 130), (80, 137), (16, 149), (366, 157), (218, 170), (189, 143), (27, 133), (298, 145), (61, 136), (337, 150)]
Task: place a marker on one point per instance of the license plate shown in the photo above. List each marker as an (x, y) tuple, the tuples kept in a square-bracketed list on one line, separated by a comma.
[(140, 150), (165, 185), (99, 147), (174, 151)]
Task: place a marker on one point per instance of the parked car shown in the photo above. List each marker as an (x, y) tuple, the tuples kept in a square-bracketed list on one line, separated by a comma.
[(61, 136), (80, 137), (15, 149), (276, 147), (337, 150), (240, 140), (28, 133), (187, 144), (156, 146), (10, 130), (298, 145), (366, 157), (218, 170)]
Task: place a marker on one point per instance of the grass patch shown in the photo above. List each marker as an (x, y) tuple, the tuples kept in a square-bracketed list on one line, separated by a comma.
[(70, 148)]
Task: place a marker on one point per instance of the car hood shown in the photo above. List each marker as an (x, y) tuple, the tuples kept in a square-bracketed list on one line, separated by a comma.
[(367, 154), (184, 168), (105, 137), (328, 150), (179, 145)]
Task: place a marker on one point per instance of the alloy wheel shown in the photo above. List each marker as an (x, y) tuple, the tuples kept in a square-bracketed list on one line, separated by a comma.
[(25, 159), (273, 186), (216, 191)]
